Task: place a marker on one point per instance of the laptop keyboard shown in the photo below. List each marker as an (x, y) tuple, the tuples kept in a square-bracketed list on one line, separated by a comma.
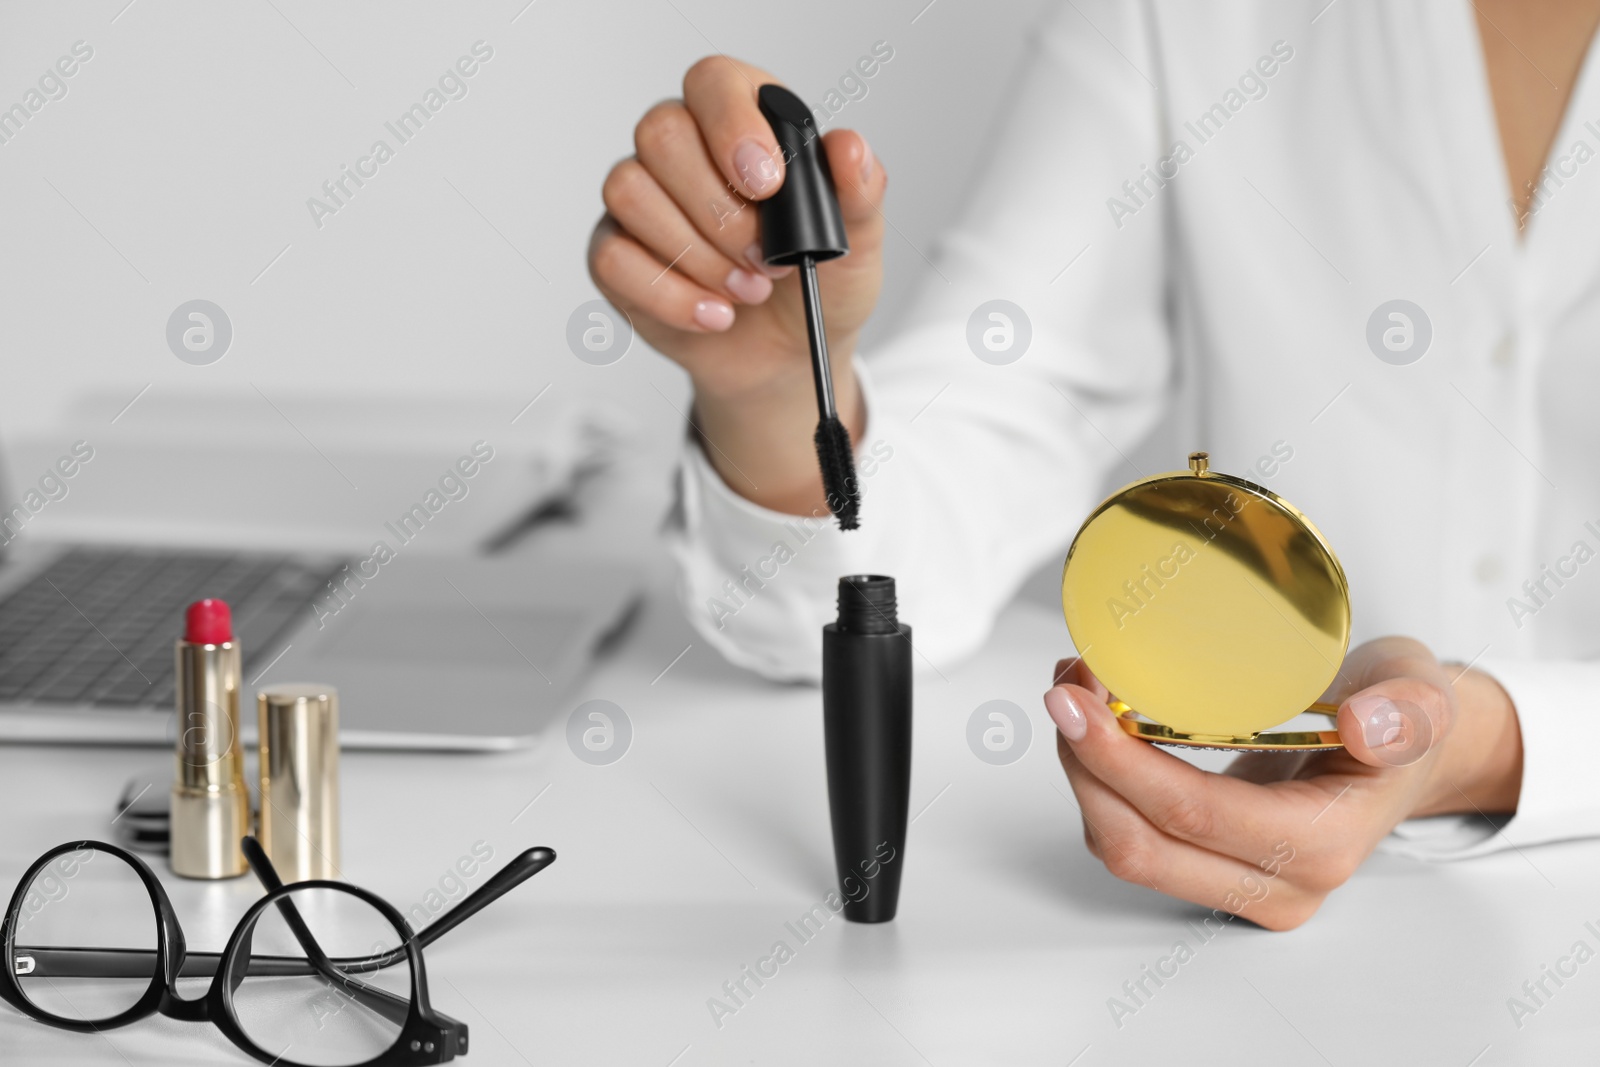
[(97, 625)]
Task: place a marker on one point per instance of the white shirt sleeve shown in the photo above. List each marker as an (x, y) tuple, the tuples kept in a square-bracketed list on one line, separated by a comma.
[(974, 471)]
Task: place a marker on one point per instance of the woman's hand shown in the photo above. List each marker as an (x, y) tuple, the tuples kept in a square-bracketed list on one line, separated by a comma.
[(679, 250), (1272, 837)]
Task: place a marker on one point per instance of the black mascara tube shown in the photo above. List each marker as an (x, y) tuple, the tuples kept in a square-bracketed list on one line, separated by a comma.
[(866, 716)]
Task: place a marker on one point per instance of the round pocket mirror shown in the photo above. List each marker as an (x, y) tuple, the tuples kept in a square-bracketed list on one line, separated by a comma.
[(1211, 608)]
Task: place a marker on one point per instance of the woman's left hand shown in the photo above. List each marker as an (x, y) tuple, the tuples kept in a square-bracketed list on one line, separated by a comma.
[(1274, 835)]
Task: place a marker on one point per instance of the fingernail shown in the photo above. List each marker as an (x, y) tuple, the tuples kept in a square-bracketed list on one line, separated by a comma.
[(713, 315), (1380, 719), (867, 161), (758, 260), (756, 167), (749, 288), (1069, 718), (1398, 732)]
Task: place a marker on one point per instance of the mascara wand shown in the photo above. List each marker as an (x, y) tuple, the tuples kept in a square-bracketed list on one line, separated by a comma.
[(801, 226)]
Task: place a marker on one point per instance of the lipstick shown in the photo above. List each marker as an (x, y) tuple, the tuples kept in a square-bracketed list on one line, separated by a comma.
[(210, 807)]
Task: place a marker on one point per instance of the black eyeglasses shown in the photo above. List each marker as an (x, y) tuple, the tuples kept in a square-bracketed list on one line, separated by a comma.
[(311, 977)]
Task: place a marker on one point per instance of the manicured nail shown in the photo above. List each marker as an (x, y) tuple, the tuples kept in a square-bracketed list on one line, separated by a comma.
[(1397, 732), (756, 167), (1069, 718), (866, 161), (748, 287), (758, 260), (1380, 719), (713, 315)]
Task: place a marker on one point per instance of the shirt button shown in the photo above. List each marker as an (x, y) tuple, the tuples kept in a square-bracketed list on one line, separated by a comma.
[(1488, 569), (1505, 353)]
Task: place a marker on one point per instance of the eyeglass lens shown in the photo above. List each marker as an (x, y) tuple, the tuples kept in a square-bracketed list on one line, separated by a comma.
[(85, 899), (310, 1003)]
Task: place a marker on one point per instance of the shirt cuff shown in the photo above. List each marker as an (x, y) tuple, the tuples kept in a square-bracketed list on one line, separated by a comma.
[(1555, 804)]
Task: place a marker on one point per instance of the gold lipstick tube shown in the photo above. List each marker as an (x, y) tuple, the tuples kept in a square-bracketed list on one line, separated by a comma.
[(300, 779), (210, 806)]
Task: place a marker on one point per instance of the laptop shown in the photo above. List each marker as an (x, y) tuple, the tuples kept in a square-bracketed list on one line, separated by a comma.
[(431, 645)]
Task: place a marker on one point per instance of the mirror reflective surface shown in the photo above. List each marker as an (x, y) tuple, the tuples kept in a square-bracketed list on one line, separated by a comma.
[(1207, 604)]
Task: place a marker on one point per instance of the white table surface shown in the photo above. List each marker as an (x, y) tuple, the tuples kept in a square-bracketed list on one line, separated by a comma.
[(680, 864)]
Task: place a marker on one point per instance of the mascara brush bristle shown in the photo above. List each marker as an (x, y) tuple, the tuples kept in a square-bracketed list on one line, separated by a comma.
[(838, 472)]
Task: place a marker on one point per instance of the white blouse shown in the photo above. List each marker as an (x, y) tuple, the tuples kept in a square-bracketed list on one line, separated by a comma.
[(1205, 214)]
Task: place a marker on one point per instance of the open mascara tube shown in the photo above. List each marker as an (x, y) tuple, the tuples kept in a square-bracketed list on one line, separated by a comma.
[(866, 727)]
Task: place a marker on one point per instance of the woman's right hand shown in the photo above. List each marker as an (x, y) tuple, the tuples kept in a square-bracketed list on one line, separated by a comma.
[(679, 250)]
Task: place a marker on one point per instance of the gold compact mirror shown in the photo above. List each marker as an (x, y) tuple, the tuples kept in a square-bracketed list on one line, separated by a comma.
[(1212, 609)]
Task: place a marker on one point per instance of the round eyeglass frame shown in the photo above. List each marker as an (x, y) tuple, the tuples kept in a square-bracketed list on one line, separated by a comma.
[(425, 1036)]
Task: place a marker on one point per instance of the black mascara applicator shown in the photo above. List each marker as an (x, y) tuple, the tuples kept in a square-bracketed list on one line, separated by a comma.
[(801, 226)]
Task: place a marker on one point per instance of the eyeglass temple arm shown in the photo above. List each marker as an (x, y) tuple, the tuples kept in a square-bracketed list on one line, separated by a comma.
[(394, 1008), (267, 875), (507, 878), (519, 870), (136, 963)]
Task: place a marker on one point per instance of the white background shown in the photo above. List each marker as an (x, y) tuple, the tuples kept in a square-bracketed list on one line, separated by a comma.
[(179, 164)]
